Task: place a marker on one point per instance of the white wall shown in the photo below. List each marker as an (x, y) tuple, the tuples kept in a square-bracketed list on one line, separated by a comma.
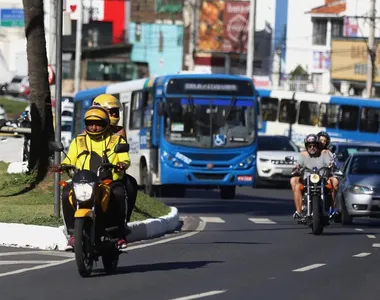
[(299, 34), (362, 8)]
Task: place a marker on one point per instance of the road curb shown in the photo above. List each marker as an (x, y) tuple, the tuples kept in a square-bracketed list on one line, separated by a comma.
[(54, 238)]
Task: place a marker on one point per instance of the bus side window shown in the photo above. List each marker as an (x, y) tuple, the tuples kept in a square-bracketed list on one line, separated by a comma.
[(328, 116), (136, 110), (269, 108), (78, 118), (348, 117), (288, 111), (309, 112), (148, 109), (369, 119)]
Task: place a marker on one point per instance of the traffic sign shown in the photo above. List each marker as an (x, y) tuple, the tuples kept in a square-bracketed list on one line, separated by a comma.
[(12, 17), (51, 77)]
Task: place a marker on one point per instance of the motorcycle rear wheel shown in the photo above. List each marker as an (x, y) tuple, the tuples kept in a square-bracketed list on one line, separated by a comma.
[(317, 226), (82, 246)]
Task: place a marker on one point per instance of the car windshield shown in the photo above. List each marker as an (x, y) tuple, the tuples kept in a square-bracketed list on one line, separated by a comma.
[(348, 150), (368, 165), (210, 123), (267, 143)]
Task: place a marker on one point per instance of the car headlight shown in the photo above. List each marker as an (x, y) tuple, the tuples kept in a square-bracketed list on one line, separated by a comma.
[(83, 191), (314, 178), (358, 189), (247, 162)]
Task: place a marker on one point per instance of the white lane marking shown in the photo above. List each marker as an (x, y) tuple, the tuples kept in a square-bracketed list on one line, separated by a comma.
[(212, 220), (261, 221), (36, 267), (26, 262), (371, 236), (363, 254), (202, 295), (200, 228), (376, 245), (359, 229), (42, 252), (308, 268)]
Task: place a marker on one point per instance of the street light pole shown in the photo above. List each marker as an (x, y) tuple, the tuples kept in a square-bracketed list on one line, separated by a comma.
[(251, 38), (58, 102)]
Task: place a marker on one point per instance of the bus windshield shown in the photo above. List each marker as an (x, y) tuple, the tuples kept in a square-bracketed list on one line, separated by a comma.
[(210, 123)]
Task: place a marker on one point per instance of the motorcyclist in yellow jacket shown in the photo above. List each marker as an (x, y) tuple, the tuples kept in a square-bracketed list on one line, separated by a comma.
[(113, 106), (86, 152)]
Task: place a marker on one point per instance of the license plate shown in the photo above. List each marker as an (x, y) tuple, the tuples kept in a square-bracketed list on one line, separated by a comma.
[(287, 172), (244, 178)]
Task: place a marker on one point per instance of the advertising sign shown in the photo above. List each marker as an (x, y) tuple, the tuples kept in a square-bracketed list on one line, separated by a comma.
[(223, 26)]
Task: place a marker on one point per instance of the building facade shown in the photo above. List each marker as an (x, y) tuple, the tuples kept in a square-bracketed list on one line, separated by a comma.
[(318, 45), (156, 32)]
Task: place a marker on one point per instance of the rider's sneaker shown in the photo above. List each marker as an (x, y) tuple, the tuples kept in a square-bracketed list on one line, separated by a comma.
[(122, 244), (297, 215), (70, 244)]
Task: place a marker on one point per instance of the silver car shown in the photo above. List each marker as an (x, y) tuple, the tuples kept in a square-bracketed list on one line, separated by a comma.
[(359, 187)]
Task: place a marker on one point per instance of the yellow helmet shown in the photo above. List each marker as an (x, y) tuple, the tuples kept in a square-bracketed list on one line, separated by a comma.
[(111, 104), (96, 113)]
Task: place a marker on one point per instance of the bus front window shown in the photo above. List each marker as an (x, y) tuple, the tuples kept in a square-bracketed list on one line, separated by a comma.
[(203, 123)]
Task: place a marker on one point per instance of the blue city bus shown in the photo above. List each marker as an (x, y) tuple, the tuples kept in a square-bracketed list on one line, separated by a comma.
[(296, 114), (186, 131)]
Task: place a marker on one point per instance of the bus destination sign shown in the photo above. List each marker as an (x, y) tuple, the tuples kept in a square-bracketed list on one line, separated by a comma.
[(209, 86)]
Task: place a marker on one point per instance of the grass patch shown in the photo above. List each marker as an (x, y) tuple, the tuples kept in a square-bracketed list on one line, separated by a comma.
[(13, 107), (36, 206)]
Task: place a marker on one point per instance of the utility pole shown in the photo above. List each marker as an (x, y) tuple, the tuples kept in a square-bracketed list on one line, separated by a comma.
[(371, 50), (58, 102), (78, 47), (251, 38)]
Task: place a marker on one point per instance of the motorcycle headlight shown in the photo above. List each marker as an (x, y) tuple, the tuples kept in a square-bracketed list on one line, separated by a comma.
[(314, 178), (357, 189), (83, 191)]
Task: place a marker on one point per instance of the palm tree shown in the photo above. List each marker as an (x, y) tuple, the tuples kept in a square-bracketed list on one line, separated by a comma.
[(40, 98)]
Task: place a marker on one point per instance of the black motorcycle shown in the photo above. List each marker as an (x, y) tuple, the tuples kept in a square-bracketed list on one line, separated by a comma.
[(317, 197)]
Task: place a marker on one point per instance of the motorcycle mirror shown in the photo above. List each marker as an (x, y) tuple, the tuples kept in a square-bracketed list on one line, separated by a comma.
[(289, 158), (122, 148), (56, 146), (338, 173)]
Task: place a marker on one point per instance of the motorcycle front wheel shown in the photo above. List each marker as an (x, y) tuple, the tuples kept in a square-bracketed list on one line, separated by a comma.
[(82, 246), (317, 226)]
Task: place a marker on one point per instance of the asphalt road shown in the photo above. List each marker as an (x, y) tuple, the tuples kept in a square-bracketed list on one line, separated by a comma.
[(247, 248)]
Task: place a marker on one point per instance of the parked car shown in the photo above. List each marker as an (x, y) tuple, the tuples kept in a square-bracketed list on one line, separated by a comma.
[(343, 150), (271, 165), (19, 86), (359, 187)]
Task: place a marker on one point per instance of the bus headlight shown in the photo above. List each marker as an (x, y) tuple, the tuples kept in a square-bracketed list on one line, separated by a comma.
[(171, 160), (314, 178), (247, 162)]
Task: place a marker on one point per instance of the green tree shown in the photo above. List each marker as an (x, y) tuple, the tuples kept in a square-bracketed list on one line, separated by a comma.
[(299, 73)]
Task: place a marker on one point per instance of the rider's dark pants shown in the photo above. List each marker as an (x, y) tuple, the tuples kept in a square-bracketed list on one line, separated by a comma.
[(115, 215), (132, 188)]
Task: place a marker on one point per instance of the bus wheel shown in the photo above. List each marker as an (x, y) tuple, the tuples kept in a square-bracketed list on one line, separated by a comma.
[(227, 192), (148, 187)]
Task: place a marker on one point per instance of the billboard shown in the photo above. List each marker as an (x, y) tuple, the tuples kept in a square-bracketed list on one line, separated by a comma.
[(223, 26), (349, 60)]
